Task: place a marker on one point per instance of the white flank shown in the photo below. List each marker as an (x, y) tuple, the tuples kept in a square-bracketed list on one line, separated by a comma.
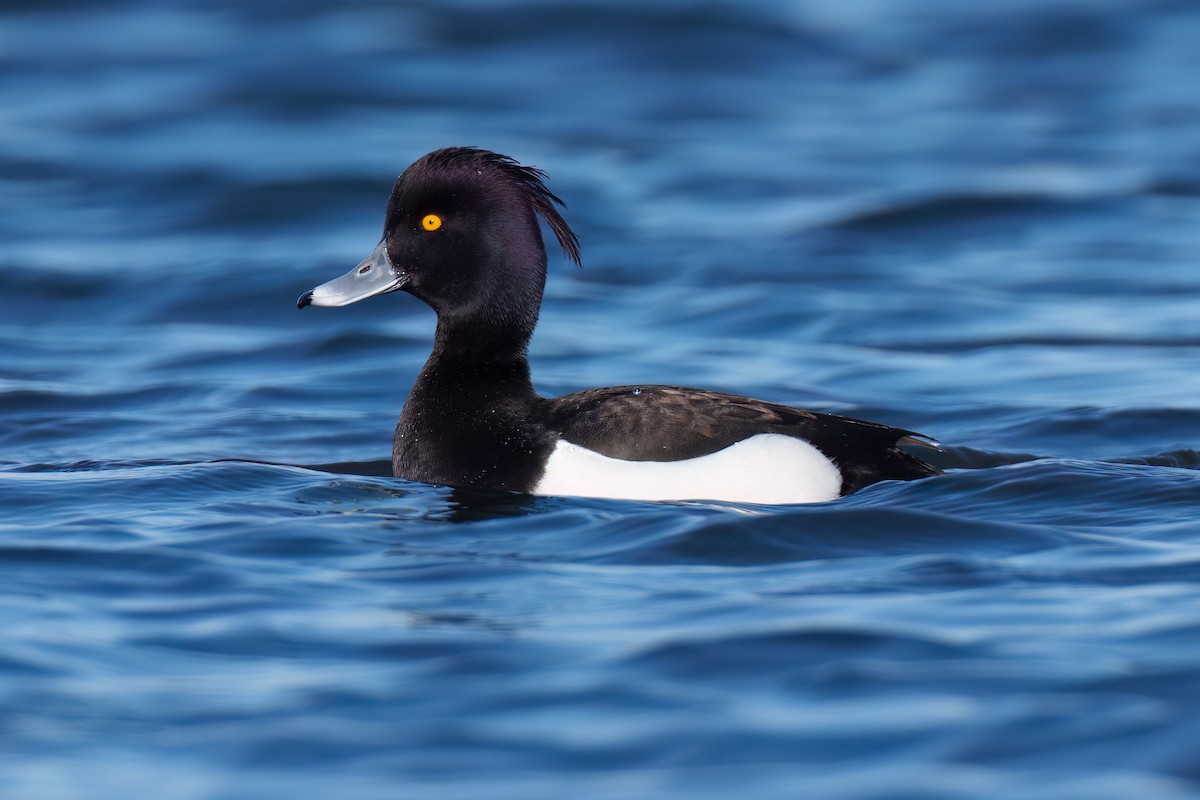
[(768, 468)]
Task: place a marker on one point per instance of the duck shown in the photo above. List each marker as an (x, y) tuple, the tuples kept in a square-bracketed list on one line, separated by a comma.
[(462, 235)]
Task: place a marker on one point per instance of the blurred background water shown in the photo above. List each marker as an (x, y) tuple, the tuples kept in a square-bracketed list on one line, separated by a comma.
[(974, 220)]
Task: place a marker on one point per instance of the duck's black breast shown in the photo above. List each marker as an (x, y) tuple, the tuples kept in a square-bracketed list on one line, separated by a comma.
[(672, 423)]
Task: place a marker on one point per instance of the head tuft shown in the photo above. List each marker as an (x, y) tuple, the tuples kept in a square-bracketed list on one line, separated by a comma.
[(530, 180)]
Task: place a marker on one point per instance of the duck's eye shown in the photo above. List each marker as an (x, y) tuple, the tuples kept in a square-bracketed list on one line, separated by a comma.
[(431, 222)]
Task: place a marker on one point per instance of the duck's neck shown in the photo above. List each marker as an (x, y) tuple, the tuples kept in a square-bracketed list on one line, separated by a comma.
[(476, 364), (468, 421)]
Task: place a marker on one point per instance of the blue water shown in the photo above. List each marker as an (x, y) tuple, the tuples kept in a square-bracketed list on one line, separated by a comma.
[(980, 221)]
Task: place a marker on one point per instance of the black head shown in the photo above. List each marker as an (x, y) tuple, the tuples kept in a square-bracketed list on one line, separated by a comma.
[(462, 234), (462, 224)]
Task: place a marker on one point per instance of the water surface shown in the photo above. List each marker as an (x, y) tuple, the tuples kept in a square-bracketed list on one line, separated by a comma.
[(980, 223)]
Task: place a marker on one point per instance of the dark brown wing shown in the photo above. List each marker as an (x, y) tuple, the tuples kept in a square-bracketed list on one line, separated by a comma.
[(671, 423)]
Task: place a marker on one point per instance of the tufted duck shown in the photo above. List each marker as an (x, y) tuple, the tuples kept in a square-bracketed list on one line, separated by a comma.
[(462, 234)]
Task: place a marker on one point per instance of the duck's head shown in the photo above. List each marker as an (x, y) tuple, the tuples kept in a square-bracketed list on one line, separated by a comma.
[(461, 234)]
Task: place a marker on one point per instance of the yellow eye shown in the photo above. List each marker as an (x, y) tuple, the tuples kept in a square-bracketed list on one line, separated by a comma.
[(431, 222)]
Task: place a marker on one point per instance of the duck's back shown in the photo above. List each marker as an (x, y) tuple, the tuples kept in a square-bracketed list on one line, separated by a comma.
[(726, 446)]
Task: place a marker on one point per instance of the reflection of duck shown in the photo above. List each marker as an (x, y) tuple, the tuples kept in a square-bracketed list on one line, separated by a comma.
[(462, 235)]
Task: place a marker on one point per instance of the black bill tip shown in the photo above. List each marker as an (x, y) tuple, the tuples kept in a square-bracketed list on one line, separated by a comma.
[(305, 300)]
